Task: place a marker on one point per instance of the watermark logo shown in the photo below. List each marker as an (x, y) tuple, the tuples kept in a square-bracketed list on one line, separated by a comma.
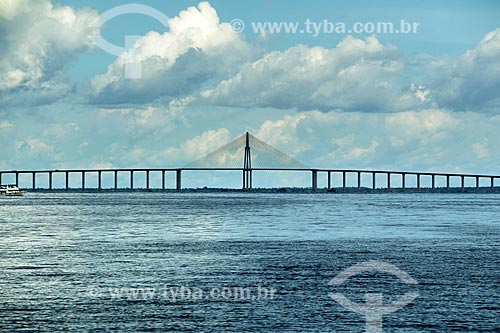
[(326, 27), (373, 309), (237, 25), (133, 69), (174, 294)]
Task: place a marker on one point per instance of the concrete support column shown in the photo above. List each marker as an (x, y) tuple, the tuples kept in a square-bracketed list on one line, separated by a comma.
[(329, 180), (463, 183), (147, 180), (448, 183), (99, 180), (33, 181), (492, 183), (163, 180), (17, 179), (403, 180), (178, 180), (251, 181), (116, 180), (50, 180), (374, 181), (477, 183), (433, 182), (359, 181), (418, 182), (67, 180), (314, 180), (344, 180), (389, 181), (131, 180), (83, 181)]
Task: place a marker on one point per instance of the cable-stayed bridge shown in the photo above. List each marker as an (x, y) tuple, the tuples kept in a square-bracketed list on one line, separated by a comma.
[(248, 155)]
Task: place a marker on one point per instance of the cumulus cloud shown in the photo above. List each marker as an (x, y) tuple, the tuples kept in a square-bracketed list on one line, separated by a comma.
[(471, 83), (37, 148), (281, 133), (197, 49), (426, 126), (356, 75), (198, 146), (320, 139), (430, 140), (481, 149), (149, 120), (37, 41)]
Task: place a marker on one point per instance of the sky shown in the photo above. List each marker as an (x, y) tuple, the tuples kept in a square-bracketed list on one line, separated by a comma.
[(428, 100)]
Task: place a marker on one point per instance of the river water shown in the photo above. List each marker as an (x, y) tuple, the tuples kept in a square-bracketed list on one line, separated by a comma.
[(154, 262)]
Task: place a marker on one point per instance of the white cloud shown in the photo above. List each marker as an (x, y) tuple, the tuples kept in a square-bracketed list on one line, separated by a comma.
[(430, 140), (425, 126), (198, 146), (37, 147), (102, 165), (201, 56), (471, 83), (5, 124), (359, 153), (434, 140), (356, 75), (146, 121), (12, 79), (282, 133), (38, 41), (481, 149), (197, 49)]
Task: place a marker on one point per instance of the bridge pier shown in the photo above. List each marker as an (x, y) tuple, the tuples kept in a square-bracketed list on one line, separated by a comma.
[(492, 183), (329, 180), (344, 180), (33, 181), (178, 180), (403, 181), (448, 183), (50, 180), (131, 180), (115, 180), (99, 180), (418, 182), (17, 179), (67, 180), (433, 182), (388, 181), (314, 180), (374, 181), (477, 184), (251, 181), (83, 181), (163, 180), (359, 181), (463, 183), (147, 180)]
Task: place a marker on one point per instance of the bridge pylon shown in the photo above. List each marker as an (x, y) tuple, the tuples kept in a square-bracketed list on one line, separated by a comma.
[(247, 165)]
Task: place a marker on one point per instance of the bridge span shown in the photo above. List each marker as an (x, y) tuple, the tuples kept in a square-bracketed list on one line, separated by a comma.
[(341, 174), (248, 155)]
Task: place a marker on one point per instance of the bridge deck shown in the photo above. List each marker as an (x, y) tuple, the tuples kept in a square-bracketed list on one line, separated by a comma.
[(314, 175)]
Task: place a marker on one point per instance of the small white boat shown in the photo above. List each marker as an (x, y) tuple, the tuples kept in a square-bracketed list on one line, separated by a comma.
[(11, 190)]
